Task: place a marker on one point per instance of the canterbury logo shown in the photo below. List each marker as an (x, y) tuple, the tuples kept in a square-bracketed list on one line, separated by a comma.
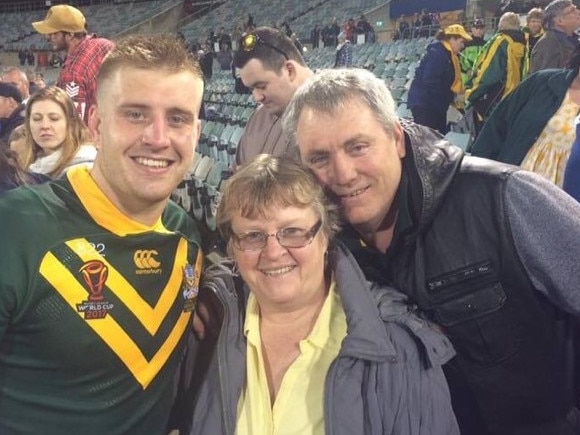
[(144, 259)]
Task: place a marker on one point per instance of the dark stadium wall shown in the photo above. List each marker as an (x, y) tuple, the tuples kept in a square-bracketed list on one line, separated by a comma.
[(409, 7)]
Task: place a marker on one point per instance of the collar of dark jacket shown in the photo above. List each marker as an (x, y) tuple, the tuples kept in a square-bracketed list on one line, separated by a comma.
[(430, 165)]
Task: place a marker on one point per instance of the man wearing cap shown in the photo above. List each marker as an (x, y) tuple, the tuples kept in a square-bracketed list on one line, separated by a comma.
[(273, 68), (554, 49), (437, 79), (11, 110), (472, 49), (65, 28)]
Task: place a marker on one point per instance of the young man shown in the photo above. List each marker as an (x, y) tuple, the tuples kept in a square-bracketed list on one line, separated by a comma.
[(99, 269), (65, 28), (273, 68), (485, 250)]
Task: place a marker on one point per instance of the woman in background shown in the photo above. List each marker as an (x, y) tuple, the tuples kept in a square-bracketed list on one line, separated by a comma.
[(534, 126), (12, 175), (437, 79), (56, 137)]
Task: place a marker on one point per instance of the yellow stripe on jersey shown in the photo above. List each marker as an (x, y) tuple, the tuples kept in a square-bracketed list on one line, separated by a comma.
[(151, 318), (107, 328)]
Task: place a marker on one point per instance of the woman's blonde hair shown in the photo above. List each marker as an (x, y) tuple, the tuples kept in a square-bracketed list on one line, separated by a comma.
[(76, 135), (509, 21)]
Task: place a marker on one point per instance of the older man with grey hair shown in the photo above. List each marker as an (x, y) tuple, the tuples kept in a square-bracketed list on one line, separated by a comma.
[(487, 251), (554, 49)]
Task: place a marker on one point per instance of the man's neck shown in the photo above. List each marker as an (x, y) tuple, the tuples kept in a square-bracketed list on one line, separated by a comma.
[(381, 237), (73, 44)]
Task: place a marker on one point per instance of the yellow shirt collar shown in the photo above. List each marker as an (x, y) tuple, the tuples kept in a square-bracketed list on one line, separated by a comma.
[(102, 210)]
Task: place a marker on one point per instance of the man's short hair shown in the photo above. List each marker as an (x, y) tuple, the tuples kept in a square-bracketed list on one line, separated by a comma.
[(272, 48), (535, 14), (148, 52), (333, 90), (553, 11)]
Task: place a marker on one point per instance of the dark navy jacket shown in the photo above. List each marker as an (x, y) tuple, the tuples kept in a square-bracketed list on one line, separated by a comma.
[(434, 76)]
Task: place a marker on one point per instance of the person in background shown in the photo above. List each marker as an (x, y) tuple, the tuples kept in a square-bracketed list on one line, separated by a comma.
[(469, 54), (18, 78), (99, 268), (11, 109), (315, 36), (487, 251), (437, 81), (65, 28), (572, 172), (11, 173), (56, 139), (304, 348), (533, 126), (554, 49), (343, 52), (498, 70), (534, 30), (271, 66), (17, 143), (224, 58)]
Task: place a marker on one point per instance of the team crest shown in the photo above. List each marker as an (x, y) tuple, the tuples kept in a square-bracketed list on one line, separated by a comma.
[(94, 273), (190, 287), (72, 89)]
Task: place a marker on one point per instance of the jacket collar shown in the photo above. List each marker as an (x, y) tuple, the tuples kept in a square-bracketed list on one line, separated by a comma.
[(366, 337), (430, 164)]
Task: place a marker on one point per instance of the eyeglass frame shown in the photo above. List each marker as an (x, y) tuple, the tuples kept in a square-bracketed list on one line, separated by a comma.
[(308, 234), (259, 40)]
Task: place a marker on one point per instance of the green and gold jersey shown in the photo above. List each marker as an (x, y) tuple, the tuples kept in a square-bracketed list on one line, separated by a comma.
[(94, 311)]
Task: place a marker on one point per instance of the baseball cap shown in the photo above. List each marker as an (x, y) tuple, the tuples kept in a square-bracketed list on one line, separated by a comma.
[(457, 30), (478, 23), (10, 91), (61, 18)]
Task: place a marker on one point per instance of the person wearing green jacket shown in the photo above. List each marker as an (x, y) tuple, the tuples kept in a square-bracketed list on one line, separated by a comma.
[(468, 57), (498, 70)]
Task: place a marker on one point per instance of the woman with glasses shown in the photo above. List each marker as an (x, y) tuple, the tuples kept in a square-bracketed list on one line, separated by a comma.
[(305, 345)]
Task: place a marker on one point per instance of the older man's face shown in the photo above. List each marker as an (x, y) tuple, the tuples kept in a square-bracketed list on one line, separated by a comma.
[(15, 78), (569, 20), (355, 159)]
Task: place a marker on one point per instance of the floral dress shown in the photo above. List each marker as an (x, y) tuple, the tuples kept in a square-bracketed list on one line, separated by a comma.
[(549, 155)]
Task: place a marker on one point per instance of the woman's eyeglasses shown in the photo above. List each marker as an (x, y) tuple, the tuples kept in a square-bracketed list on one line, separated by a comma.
[(250, 41), (287, 237)]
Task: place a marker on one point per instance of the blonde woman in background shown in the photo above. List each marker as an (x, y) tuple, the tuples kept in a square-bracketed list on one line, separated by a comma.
[(56, 138)]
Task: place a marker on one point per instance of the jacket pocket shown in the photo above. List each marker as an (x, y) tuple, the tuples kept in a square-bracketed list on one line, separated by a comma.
[(479, 324)]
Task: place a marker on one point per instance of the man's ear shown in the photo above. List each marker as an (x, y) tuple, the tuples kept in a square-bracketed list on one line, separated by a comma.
[(95, 124), (290, 67)]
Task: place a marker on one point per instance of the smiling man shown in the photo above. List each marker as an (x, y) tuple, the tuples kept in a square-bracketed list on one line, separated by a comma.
[(273, 68), (483, 249), (99, 269)]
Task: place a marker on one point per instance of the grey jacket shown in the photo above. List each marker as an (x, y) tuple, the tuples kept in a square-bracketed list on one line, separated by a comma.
[(553, 50), (387, 378)]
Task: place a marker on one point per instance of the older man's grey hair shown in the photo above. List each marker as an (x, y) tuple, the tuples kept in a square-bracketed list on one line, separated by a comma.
[(553, 11), (333, 91)]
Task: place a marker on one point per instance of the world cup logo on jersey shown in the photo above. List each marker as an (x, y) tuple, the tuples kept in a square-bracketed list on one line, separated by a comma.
[(95, 274)]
